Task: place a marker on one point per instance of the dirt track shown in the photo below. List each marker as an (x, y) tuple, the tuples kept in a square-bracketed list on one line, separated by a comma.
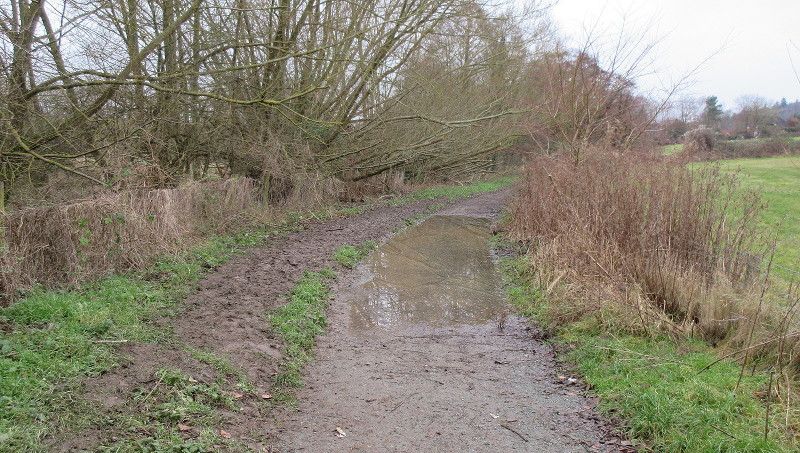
[(470, 388), (429, 389)]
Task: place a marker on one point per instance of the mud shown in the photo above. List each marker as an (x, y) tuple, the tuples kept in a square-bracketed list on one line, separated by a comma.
[(423, 355), (438, 273), (460, 385), (228, 316)]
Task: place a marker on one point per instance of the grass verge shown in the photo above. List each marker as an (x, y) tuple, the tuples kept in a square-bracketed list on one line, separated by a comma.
[(655, 385), (299, 322), (52, 340), (303, 317)]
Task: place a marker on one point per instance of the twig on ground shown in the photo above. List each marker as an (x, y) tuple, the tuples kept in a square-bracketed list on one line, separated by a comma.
[(402, 402), (724, 432), (514, 431)]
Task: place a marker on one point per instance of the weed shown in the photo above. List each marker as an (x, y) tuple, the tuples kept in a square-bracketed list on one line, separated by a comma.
[(223, 365), (348, 255), (299, 322), (69, 244), (657, 244)]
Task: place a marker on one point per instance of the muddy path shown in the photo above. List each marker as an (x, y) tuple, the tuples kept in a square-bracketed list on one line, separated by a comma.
[(453, 381), (423, 355), (227, 316)]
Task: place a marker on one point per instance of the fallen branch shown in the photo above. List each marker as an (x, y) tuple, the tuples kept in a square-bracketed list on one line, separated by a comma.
[(514, 431), (724, 432)]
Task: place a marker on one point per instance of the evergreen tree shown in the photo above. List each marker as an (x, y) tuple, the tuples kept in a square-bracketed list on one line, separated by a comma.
[(712, 112)]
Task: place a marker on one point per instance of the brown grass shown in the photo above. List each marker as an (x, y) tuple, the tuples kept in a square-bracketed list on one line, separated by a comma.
[(644, 246), (653, 247), (67, 244)]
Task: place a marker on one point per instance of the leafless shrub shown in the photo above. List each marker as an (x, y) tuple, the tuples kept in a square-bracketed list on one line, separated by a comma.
[(640, 246), (699, 141), (67, 244)]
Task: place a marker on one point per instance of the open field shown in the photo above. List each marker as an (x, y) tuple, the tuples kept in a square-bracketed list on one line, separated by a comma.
[(668, 150), (776, 179)]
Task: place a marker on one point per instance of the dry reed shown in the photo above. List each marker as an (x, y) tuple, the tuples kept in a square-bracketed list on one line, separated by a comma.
[(645, 246), (69, 243)]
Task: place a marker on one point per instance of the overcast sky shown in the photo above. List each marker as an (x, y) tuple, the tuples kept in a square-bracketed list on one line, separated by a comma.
[(746, 41)]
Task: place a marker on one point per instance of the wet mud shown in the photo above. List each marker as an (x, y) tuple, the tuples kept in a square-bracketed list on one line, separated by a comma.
[(422, 354), (439, 273), (394, 377)]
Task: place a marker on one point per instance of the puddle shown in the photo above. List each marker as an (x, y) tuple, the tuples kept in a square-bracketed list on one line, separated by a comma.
[(438, 273)]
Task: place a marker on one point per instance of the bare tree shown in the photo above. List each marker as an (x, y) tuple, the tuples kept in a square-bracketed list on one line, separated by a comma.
[(167, 89), (755, 115)]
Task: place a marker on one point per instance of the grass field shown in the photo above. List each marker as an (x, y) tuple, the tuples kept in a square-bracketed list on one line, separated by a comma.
[(777, 179), (672, 149), (668, 150)]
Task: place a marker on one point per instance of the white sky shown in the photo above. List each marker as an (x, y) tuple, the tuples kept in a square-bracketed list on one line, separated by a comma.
[(746, 41)]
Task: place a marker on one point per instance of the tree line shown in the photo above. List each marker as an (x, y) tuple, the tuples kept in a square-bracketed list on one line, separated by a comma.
[(147, 93)]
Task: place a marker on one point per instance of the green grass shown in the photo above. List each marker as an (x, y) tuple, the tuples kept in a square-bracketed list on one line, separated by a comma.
[(349, 255), (777, 179), (51, 346), (655, 385), (669, 150), (656, 388), (299, 322), (453, 193), (52, 340), (303, 317)]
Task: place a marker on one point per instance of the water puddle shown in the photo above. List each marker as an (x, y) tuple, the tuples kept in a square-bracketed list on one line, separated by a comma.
[(438, 273)]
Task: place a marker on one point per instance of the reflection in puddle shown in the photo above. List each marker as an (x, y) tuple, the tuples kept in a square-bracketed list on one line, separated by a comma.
[(437, 273)]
